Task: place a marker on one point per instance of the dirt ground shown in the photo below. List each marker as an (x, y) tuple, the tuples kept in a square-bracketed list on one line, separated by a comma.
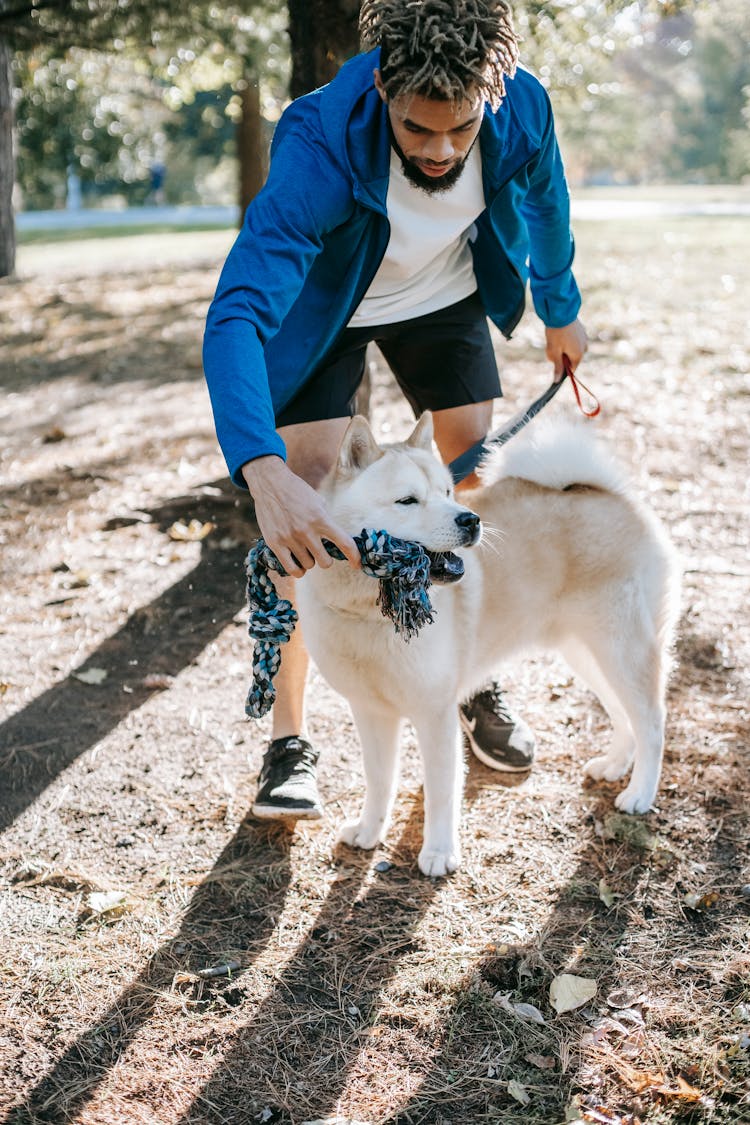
[(349, 987)]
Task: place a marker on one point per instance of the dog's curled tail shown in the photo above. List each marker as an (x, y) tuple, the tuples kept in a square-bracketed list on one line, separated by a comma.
[(556, 453)]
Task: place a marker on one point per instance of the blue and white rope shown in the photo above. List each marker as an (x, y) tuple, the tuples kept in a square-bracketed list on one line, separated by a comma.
[(403, 570)]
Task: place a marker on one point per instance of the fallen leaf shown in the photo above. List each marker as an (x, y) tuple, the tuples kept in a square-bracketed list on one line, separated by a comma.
[(629, 1015), (189, 532), (155, 682), (684, 1091), (106, 902), (91, 675), (543, 1062), (523, 1011), (55, 434), (606, 894), (625, 998), (528, 1012), (640, 1080), (608, 1025), (656, 1082), (518, 1091), (701, 902), (568, 992)]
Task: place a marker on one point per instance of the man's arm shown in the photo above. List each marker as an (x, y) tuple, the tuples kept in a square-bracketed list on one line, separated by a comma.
[(546, 210), (283, 232)]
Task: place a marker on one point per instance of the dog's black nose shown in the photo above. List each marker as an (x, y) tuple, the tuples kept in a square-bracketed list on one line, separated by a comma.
[(470, 524)]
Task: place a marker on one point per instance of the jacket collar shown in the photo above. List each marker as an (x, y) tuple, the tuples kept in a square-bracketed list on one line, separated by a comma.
[(354, 121)]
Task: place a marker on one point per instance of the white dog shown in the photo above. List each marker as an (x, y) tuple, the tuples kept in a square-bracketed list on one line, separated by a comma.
[(582, 568)]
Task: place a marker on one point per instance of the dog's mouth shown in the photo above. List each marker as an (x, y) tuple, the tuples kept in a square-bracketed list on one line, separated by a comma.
[(445, 567)]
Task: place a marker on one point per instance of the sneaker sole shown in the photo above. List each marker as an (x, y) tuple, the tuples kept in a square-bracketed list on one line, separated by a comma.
[(279, 812), (485, 759)]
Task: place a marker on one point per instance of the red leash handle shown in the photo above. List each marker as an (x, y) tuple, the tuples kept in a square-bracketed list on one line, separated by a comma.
[(578, 386)]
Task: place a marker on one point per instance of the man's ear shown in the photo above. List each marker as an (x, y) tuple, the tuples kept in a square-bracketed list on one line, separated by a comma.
[(379, 84), (358, 447), (422, 434)]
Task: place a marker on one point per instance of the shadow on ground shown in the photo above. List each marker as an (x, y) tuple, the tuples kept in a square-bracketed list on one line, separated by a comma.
[(167, 634)]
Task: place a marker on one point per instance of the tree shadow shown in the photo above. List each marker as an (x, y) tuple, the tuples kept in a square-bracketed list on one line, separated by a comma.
[(96, 347), (647, 864), (45, 737), (313, 1027), (261, 851)]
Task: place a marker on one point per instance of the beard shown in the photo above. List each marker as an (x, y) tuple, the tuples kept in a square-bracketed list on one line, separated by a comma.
[(431, 185)]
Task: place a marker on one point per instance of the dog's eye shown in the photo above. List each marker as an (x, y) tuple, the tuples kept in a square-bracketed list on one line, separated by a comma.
[(408, 500)]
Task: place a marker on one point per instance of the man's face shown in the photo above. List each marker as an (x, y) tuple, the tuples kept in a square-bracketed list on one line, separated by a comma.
[(433, 137)]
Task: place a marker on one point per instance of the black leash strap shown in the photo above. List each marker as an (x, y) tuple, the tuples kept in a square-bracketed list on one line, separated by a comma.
[(468, 461)]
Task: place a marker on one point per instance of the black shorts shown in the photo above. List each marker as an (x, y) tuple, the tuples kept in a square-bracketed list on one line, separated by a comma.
[(440, 360)]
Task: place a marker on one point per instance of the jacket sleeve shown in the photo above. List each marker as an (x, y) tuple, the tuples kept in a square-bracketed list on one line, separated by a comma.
[(305, 196), (546, 211)]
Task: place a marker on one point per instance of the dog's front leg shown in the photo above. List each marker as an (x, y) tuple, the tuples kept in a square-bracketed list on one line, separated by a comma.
[(379, 734), (440, 745)]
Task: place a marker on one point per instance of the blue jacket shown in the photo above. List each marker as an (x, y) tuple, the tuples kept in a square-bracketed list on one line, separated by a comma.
[(313, 239)]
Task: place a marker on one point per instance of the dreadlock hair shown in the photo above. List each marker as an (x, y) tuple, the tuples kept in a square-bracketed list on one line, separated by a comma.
[(446, 49)]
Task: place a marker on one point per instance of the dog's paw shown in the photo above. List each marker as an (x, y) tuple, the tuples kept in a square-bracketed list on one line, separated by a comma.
[(633, 800), (609, 767), (359, 835), (438, 863)]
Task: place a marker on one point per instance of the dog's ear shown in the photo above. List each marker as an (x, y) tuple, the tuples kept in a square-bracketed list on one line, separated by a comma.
[(422, 434), (358, 448)]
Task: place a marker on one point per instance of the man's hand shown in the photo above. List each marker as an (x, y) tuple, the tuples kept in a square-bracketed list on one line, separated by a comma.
[(571, 341), (292, 517)]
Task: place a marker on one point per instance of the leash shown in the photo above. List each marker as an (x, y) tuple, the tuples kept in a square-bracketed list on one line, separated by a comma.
[(464, 465), (402, 568)]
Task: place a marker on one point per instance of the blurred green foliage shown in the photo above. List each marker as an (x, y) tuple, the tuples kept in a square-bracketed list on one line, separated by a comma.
[(650, 91), (151, 101)]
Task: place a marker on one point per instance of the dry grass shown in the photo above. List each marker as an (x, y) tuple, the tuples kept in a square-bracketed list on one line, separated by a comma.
[(376, 996)]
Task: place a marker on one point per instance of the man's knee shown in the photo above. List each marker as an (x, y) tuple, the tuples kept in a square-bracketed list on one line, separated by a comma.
[(312, 447), (459, 427)]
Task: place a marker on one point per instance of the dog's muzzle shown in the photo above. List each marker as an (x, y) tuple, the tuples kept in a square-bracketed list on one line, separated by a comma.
[(445, 567)]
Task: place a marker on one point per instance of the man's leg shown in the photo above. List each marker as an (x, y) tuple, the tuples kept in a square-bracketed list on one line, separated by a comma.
[(496, 735), (458, 428), (287, 786)]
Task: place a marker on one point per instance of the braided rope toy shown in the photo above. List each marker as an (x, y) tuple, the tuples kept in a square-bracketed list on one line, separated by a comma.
[(403, 569)]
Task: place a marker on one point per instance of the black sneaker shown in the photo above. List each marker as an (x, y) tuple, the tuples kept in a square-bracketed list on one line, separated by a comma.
[(500, 739), (286, 785)]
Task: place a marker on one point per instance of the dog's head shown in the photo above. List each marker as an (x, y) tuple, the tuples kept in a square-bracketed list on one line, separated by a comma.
[(403, 489)]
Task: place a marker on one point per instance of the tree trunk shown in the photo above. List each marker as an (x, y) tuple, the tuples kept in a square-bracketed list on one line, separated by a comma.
[(251, 149), (7, 166), (323, 34)]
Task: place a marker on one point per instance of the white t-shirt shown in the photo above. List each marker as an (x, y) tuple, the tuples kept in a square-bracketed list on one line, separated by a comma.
[(427, 264)]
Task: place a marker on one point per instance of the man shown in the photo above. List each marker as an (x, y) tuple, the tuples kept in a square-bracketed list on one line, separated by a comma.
[(407, 201)]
